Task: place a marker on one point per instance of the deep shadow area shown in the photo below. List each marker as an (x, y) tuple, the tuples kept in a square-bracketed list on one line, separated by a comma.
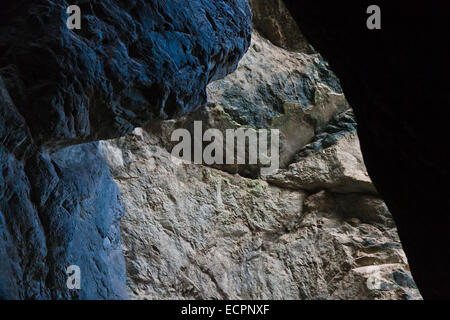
[(397, 81)]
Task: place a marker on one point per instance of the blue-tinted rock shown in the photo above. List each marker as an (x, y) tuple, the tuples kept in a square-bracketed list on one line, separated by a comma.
[(132, 62)]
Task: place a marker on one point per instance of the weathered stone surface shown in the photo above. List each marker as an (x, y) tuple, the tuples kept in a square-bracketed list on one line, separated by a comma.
[(190, 231), (272, 88), (269, 77), (338, 168), (132, 61), (55, 211), (80, 209), (272, 19), (194, 232), (316, 230)]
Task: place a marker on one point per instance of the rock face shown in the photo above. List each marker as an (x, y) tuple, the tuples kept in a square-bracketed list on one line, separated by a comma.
[(293, 92), (194, 232), (317, 229), (338, 168), (314, 230), (396, 84), (55, 211), (275, 23), (131, 62)]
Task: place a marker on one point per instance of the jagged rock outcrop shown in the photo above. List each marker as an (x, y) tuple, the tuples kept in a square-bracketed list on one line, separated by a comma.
[(274, 21), (132, 62), (338, 168), (271, 89), (315, 230)]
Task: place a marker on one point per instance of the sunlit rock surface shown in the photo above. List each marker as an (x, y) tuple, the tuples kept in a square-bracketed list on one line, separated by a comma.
[(194, 232)]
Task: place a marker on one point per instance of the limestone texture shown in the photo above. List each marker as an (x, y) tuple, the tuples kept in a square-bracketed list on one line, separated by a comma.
[(397, 89), (272, 88), (196, 232), (87, 177), (316, 229)]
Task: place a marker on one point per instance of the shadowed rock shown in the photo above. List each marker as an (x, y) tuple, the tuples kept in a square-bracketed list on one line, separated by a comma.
[(395, 80), (132, 62)]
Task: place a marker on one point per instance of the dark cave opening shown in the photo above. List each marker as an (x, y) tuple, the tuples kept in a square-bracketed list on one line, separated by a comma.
[(392, 77)]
